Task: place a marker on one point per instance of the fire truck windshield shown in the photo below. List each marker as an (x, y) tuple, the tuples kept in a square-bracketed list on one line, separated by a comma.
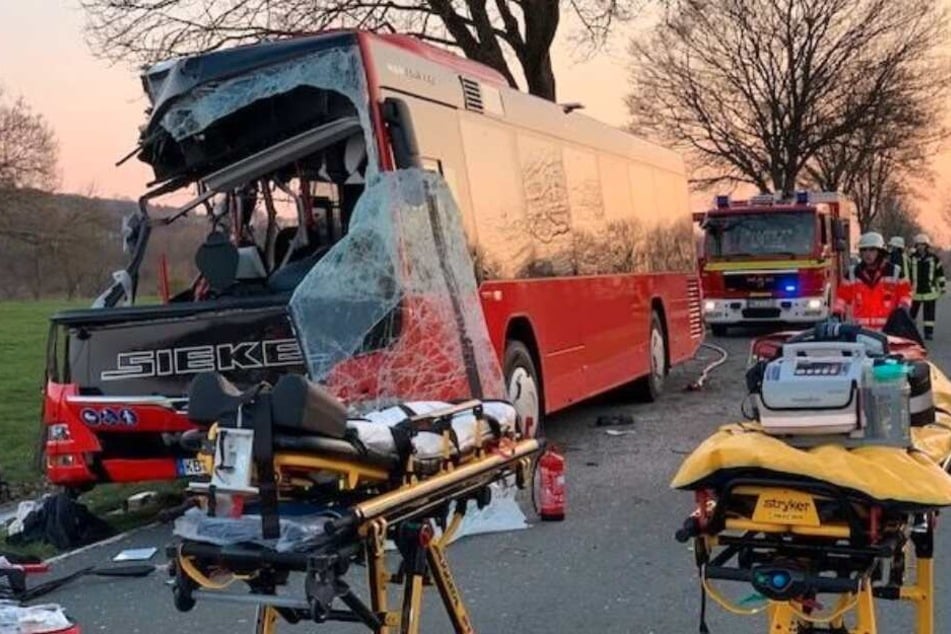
[(749, 234)]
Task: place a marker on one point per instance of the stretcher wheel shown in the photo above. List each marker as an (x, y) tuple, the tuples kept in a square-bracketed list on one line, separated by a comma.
[(183, 591)]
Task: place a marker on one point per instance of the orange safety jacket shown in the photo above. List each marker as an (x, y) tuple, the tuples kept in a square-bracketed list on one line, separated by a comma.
[(873, 294)]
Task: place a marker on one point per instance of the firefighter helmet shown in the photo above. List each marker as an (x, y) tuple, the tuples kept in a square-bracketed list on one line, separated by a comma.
[(923, 238), (872, 240), (897, 242)]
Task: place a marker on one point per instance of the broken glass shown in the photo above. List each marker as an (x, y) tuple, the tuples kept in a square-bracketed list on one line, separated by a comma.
[(392, 312), (337, 69)]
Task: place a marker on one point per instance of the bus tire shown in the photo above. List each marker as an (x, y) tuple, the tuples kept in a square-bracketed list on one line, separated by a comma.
[(719, 330), (522, 386), (650, 387)]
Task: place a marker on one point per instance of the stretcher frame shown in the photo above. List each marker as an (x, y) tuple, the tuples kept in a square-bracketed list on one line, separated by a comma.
[(407, 515), (793, 616)]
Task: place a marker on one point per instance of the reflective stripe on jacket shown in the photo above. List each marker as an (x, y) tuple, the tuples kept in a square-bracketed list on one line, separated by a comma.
[(927, 277), (899, 257), (872, 295)]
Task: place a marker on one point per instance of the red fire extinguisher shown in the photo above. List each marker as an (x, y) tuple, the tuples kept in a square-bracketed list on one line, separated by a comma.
[(551, 468)]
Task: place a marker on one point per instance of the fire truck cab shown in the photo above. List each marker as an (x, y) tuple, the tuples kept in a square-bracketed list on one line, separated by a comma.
[(771, 259)]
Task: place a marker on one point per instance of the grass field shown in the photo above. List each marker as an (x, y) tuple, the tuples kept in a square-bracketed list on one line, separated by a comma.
[(23, 330)]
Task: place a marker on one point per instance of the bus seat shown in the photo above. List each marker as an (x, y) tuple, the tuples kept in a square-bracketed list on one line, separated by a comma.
[(282, 242), (250, 265), (217, 260), (355, 160), (286, 278)]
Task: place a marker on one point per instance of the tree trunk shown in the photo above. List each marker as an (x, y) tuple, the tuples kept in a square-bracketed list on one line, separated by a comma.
[(541, 79), (37, 277)]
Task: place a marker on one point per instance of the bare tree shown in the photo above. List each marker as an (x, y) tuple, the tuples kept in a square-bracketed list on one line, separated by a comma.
[(757, 89), (488, 31), (896, 216), (27, 147), (869, 163)]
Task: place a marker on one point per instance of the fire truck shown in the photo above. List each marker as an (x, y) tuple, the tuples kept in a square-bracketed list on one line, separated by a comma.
[(772, 259)]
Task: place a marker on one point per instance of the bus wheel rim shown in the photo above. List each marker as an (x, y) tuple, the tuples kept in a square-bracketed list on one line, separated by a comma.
[(523, 392)]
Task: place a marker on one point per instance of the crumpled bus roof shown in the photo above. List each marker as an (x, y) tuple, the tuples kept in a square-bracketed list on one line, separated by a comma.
[(166, 81)]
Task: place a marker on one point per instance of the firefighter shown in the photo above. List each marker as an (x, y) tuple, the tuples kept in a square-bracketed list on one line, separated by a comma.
[(898, 256), (927, 281), (874, 287)]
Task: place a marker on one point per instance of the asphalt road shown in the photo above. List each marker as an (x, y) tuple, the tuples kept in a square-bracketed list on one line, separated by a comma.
[(611, 567)]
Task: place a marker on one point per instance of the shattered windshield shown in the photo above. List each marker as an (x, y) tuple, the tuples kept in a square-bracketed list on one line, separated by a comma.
[(392, 312), (779, 233)]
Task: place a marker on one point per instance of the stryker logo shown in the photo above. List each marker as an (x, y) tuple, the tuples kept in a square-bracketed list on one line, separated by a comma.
[(194, 359), (786, 506)]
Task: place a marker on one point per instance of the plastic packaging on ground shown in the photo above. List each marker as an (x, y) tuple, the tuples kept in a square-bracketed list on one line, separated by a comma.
[(195, 525), (36, 619)]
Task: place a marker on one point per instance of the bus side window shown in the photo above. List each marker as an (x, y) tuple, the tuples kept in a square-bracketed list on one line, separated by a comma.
[(548, 221), (498, 202)]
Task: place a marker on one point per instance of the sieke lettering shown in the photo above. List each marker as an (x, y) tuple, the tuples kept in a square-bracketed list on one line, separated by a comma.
[(244, 355)]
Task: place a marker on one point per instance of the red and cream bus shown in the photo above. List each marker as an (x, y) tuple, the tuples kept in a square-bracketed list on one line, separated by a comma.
[(580, 235)]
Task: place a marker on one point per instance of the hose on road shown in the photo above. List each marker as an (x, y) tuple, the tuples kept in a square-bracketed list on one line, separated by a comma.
[(710, 367)]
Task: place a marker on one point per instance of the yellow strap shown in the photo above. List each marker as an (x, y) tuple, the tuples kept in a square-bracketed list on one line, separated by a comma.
[(201, 579), (725, 603)]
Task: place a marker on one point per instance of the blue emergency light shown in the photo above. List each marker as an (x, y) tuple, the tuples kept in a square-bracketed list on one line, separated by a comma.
[(790, 288), (722, 201), (802, 198)]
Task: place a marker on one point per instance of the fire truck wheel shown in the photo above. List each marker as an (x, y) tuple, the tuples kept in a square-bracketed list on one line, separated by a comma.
[(650, 387), (523, 386)]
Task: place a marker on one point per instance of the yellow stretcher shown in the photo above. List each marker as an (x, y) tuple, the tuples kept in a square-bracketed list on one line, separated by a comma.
[(374, 497), (802, 523)]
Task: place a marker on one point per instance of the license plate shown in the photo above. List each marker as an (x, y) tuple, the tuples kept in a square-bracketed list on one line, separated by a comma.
[(761, 303), (786, 506), (190, 467)]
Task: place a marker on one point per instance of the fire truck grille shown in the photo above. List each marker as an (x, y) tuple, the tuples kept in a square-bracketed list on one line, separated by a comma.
[(781, 282)]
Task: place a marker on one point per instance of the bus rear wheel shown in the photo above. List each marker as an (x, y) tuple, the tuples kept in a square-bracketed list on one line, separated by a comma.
[(650, 387), (523, 387)]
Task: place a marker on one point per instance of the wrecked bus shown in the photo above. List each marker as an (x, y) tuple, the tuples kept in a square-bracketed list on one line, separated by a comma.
[(579, 236)]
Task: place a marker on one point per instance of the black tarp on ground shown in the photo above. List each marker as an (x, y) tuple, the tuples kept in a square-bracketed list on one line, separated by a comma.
[(62, 522)]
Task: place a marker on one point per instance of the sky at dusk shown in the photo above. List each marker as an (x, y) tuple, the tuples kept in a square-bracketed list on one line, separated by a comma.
[(95, 108)]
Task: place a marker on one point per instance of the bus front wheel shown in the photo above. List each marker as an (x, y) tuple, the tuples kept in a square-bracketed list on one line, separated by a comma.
[(650, 387), (523, 387)]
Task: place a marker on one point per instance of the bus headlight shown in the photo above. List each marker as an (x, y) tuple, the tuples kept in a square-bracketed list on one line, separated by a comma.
[(709, 306), (814, 304), (57, 432)]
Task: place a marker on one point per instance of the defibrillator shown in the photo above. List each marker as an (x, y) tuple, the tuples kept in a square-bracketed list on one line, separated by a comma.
[(819, 390)]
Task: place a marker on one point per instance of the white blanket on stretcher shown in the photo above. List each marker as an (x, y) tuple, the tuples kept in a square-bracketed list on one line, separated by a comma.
[(373, 429)]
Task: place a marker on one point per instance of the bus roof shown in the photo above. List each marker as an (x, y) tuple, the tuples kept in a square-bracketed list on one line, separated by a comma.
[(405, 65), (437, 74)]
